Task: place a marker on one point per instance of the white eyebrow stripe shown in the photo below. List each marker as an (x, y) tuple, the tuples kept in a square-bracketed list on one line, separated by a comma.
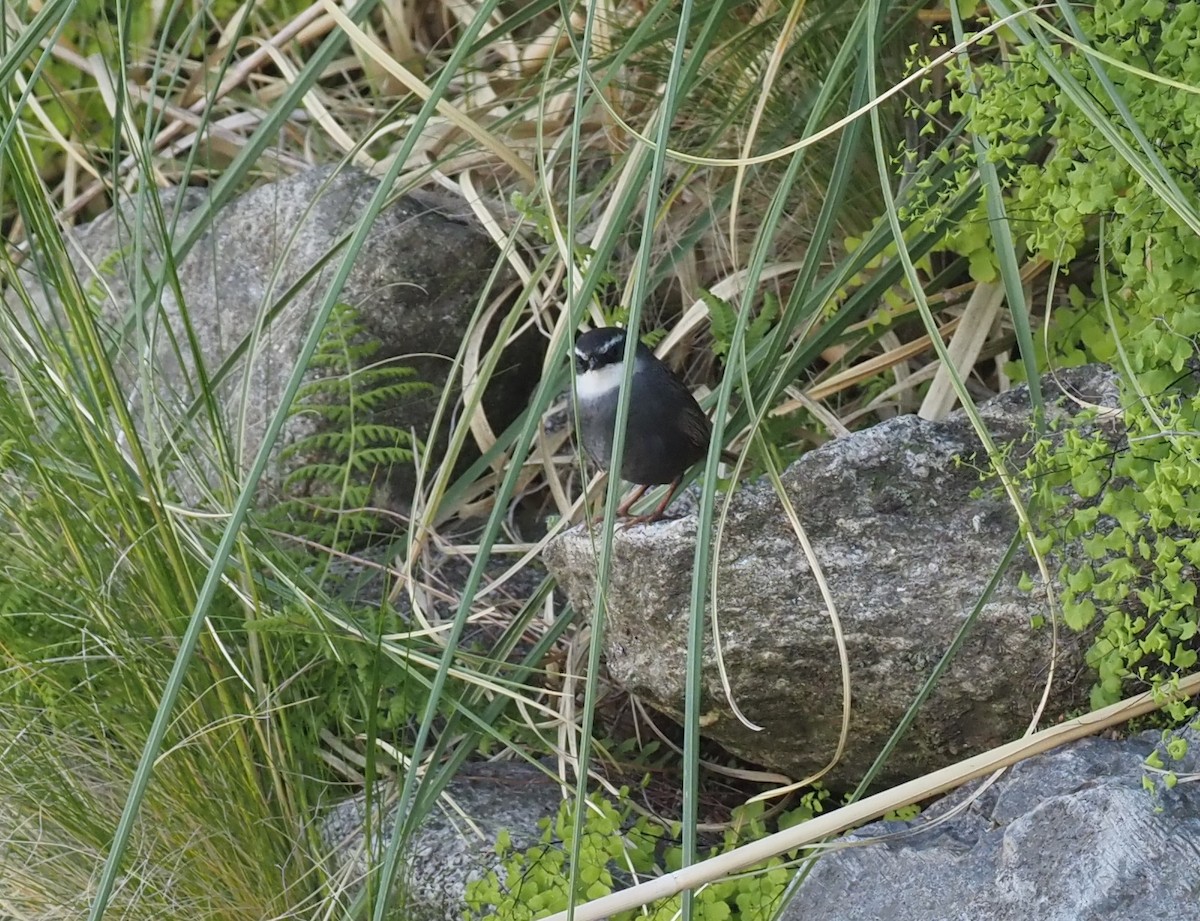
[(615, 343), (606, 348), (599, 382)]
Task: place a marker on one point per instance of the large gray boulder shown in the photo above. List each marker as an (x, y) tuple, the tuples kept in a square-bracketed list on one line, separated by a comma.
[(907, 545), (1071, 835), (414, 287)]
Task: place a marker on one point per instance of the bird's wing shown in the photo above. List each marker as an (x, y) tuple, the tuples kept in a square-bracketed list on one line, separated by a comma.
[(692, 422), (697, 429)]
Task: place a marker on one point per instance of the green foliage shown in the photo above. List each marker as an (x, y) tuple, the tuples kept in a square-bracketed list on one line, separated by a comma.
[(1067, 193), (537, 216), (616, 845), (334, 670), (34, 625), (1134, 509), (63, 553), (68, 96), (349, 452), (93, 597), (724, 320), (1159, 777), (1134, 513), (345, 459), (903, 814)]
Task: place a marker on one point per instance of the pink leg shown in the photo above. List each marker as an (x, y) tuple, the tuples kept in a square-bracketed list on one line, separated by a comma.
[(623, 508)]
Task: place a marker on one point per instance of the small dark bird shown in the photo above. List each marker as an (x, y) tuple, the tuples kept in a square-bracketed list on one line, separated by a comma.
[(667, 431)]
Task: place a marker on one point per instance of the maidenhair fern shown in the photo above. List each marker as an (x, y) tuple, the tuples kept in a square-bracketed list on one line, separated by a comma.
[(1133, 261), (618, 848)]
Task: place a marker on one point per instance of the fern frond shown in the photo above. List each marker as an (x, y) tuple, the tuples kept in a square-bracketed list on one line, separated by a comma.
[(352, 448)]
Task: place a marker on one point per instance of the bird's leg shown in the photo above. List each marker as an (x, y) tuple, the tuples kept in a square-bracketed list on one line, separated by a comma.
[(657, 514), (623, 508)]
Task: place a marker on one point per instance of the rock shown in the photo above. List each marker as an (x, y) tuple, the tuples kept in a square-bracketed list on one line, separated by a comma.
[(447, 852), (906, 548), (1067, 836), (414, 287)]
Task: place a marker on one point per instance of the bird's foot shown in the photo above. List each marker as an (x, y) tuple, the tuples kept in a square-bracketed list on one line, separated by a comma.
[(629, 520), (657, 515), (623, 508), (649, 518)]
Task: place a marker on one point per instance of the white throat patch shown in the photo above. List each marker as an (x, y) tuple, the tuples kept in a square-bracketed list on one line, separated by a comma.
[(599, 382)]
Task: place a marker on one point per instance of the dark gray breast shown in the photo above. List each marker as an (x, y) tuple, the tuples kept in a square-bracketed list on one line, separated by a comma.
[(667, 431)]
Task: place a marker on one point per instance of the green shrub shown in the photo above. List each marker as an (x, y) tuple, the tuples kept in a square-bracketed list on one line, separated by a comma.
[(617, 846), (1132, 261)]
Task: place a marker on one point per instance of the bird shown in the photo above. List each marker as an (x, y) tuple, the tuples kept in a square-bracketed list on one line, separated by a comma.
[(667, 432)]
